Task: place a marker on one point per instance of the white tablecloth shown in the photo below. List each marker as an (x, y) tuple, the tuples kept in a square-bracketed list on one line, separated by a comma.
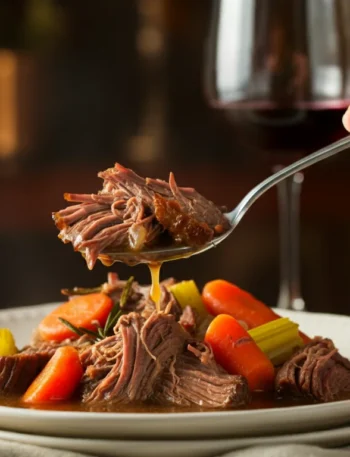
[(10, 449)]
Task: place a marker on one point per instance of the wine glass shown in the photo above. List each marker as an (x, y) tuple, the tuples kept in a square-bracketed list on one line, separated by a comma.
[(281, 71)]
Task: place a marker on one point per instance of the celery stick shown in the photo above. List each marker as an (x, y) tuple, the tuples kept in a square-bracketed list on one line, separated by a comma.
[(278, 339), (187, 294)]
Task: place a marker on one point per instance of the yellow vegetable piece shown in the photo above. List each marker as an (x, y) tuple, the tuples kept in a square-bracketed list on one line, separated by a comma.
[(278, 339), (187, 294), (7, 342)]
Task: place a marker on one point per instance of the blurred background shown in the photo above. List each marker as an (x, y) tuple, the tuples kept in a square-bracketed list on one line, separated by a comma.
[(86, 84)]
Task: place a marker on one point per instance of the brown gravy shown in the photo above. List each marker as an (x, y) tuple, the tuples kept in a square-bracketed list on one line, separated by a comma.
[(259, 401)]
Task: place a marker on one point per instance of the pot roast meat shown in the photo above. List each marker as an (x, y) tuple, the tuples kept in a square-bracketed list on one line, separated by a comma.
[(188, 320), (139, 298), (151, 360), (131, 361), (167, 303), (183, 228), (131, 212), (316, 371), (100, 360), (196, 379), (18, 371)]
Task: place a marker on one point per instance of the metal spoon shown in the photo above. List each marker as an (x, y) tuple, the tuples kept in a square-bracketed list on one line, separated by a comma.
[(174, 252)]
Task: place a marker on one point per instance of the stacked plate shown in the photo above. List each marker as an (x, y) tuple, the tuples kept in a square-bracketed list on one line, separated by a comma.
[(179, 434)]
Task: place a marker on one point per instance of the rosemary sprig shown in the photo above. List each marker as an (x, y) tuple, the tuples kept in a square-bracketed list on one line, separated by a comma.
[(112, 319), (103, 332), (117, 309), (126, 292), (78, 330), (81, 291)]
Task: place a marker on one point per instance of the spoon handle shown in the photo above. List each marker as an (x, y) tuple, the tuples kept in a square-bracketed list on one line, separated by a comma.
[(236, 215)]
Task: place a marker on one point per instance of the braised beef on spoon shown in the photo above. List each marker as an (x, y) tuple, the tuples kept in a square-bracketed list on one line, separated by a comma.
[(131, 213)]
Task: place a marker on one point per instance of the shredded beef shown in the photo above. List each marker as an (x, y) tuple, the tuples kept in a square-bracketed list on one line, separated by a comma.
[(196, 379), (188, 320), (316, 371), (131, 212), (125, 367), (139, 299), (147, 359), (167, 303)]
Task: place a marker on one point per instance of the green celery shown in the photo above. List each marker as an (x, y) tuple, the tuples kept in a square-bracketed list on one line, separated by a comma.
[(278, 339)]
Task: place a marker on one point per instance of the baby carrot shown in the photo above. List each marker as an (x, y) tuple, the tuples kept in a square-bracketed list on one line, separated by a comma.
[(223, 297), (237, 352), (58, 380), (81, 311)]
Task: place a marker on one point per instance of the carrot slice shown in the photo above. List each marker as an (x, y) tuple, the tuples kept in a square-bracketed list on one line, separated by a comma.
[(81, 311), (58, 380), (237, 352), (223, 297)]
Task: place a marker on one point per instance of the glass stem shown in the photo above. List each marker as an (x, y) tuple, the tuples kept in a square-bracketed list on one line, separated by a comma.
[(288, 193)]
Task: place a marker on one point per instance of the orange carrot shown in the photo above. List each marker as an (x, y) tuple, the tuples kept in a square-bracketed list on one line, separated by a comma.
[(237, 352), (81, 311), (58, 380), (223, 297)]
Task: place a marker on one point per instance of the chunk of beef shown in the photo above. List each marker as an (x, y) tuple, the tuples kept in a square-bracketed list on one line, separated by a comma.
[(183, 228), (188, 320), (18, 371), (125, 367), (317, 371), (196, 379), (139, 300), (131, 212)]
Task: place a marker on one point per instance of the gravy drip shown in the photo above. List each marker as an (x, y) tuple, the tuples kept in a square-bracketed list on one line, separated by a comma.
[(154, 268)]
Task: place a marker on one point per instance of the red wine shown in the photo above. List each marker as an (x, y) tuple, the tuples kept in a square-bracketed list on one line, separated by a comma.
[(282, 132), (284, 88)]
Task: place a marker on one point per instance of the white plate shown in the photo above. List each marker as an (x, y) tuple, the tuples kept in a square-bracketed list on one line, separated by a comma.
[(179, 425), (179, 448)]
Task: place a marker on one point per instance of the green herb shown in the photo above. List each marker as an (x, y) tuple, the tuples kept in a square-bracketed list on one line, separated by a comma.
[(117, 309), (78, 330), (112, 319), (81, 291), (103, 332), (126, 292)]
